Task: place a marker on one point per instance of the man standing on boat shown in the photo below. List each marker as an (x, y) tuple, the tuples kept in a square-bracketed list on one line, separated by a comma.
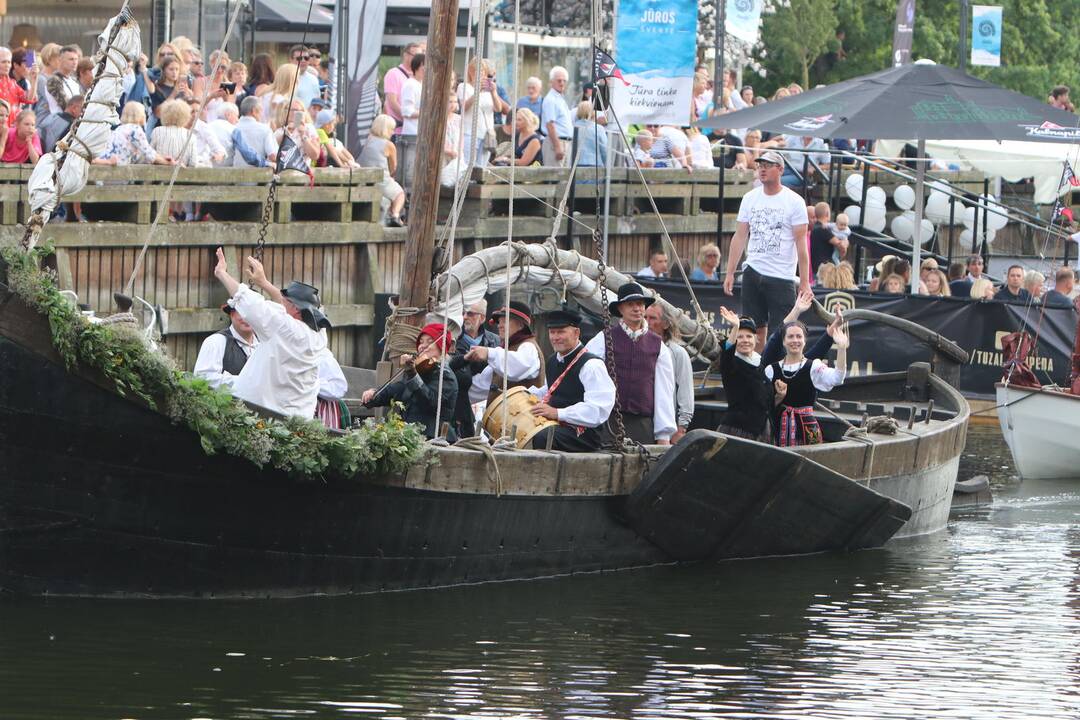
[(577, 392), (644, 370), (522, 364), (282, 373), (224, 354), (771, 228)]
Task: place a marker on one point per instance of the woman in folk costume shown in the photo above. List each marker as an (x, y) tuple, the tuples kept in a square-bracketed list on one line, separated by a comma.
[(796, 382), (418, 388), (749, 394)]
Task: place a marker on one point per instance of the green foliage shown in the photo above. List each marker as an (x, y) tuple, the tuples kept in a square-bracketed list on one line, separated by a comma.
[(1040, 43), (299, 447), (795, 36)]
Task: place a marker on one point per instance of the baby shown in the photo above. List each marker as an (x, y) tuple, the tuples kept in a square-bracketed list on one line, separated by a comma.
[(841, 232)]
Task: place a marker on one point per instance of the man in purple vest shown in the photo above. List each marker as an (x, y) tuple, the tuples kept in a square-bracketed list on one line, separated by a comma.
[(644, 371)]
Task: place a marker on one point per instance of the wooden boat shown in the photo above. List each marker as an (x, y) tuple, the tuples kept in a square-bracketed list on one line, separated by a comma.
[(102, 495)]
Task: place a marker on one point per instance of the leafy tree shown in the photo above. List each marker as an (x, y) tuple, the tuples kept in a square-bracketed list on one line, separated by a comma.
[(794, 34)]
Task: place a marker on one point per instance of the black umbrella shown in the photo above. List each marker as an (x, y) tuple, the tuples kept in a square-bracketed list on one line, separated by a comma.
[(920, 101), (923, 102)]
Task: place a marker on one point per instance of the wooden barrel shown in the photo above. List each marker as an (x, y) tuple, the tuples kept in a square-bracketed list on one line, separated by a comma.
[(522, 423)]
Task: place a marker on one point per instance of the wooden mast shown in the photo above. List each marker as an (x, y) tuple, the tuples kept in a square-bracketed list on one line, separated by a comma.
[(424, 203)]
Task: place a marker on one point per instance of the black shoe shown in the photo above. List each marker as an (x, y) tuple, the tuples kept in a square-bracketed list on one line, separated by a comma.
[(395, 221)]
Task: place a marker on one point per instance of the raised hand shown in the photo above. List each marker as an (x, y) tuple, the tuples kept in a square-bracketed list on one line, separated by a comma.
[(255, 271), (840, 339), (804, 300), (222, 266), (729, 316)]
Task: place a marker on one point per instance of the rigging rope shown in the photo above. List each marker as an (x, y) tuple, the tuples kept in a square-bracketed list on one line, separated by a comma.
[(510, 227), (163, 205)]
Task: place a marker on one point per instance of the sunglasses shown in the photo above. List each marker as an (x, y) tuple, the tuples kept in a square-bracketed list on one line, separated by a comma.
[(302, 57), (196, 62)]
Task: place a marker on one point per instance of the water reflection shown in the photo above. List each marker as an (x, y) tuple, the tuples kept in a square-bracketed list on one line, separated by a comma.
[(980, 621)]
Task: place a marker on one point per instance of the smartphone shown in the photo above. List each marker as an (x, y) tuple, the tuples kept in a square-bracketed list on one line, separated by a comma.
[(30, 58), (297, 117), (229, 87)]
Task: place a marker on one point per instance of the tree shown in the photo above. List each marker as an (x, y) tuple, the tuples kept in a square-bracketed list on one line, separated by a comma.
[(794, 34)]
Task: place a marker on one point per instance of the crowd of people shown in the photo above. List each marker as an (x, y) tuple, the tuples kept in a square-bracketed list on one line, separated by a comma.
[(781, 213)]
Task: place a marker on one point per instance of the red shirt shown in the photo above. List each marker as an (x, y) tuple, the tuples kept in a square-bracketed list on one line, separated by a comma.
[(16, 97), (17, 151)]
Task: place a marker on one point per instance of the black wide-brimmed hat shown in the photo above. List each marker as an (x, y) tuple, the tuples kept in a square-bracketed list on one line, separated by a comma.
[(306, 299), (563, 318), (630, 291), (518, 310)]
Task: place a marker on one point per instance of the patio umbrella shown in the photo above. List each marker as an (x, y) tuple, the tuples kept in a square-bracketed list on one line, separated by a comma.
[(923, 101)]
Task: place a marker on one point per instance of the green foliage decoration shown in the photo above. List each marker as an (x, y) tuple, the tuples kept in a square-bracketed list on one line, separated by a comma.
[(301, 448)]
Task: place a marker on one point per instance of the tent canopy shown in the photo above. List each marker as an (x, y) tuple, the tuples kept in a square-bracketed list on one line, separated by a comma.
[(291, 16)]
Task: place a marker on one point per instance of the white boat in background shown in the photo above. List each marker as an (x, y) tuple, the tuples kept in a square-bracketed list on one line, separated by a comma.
[(1042, 429)]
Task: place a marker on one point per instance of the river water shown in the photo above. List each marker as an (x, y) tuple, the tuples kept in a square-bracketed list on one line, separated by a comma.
[(979, 621)]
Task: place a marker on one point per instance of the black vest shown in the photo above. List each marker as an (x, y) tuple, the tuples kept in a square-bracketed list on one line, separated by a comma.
[(570, 390), (800, 388), (234, 359)]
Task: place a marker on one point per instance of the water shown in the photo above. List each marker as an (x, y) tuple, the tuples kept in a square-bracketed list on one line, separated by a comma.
[(980, 621)]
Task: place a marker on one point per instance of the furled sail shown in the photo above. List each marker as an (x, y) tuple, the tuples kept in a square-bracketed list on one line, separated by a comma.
[(53, 179)]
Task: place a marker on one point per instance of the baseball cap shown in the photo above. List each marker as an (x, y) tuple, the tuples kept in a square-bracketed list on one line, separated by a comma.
[(324, 117), (771, 156)]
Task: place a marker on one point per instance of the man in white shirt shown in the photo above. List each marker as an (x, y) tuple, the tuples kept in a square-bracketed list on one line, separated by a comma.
[(657, 267), (411, 90), (771, 228), (257, 134), (577, 392), (66, 83), (223, 128), (307, 82), (224, 354), (558, 122), (522, 364), (282, 373), (644, 370)]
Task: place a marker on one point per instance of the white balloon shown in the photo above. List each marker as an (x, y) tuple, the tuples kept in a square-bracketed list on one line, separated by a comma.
[(876, 197), (969, 217), (854, 214), (965, 237), (938, 186), (904, 197), (853, 187), (937, 208), (875, 223), (901, 227), (927, 233)]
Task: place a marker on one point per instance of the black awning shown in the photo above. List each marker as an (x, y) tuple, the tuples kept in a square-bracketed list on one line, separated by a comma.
[(291, 15)]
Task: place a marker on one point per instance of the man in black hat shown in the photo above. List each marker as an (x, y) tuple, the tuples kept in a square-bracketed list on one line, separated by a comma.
[(644, 370), (523, 365), (577, 391), (282, 373), (224, 354)]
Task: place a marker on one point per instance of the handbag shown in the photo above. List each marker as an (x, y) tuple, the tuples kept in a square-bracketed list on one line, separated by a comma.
[(490, 141)]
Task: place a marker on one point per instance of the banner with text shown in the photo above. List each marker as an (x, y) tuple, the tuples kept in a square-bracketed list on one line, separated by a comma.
[(743, 19), (655, 47), (975, 326), (986, 35), (903, 32)]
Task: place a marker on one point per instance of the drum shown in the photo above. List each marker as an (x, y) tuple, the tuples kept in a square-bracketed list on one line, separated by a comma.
[(522, 423)]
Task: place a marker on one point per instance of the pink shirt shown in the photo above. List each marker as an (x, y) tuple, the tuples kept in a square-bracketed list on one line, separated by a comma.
[(15, 96), (19, 152), (393, 81)]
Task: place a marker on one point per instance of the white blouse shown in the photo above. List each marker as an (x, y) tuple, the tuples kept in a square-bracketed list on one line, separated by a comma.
[(825, 378)]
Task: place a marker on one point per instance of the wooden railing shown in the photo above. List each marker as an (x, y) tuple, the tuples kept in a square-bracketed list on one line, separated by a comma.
[(330, 235)]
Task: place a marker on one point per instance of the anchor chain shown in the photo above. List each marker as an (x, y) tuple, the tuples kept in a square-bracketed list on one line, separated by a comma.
[(268, 211), (609, 351)]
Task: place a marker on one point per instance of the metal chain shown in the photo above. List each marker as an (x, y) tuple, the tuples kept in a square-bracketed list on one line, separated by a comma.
[(609, 350), (268, 210)]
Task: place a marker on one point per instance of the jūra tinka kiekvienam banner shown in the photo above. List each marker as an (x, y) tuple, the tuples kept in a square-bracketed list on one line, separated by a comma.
[(655, 47)]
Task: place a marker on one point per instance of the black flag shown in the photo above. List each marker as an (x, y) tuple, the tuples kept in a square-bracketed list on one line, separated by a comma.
[(291, 157), (604, 67)]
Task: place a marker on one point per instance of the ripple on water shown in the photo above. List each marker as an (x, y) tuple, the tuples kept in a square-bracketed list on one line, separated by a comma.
[(980, 621)]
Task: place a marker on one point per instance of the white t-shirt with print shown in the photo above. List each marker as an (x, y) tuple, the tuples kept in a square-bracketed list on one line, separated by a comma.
[(771, 247)]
